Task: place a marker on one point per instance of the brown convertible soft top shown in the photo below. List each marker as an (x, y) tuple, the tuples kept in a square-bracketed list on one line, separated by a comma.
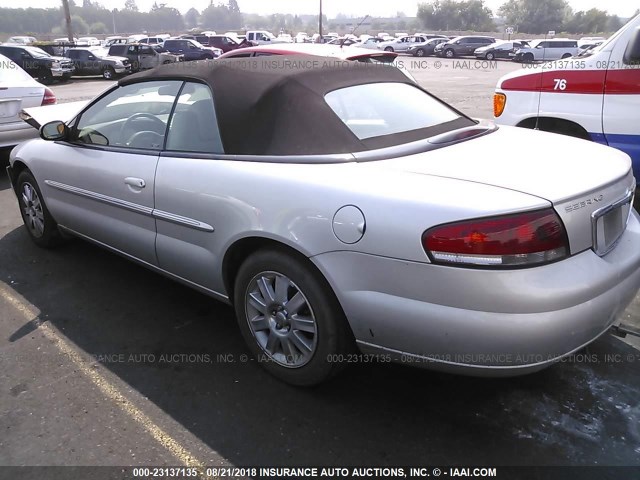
[(275, 105)]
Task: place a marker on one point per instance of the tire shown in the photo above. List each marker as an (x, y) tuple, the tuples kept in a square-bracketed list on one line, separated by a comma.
[(108, 73), (388, 49), (449, 53), (267, 284), (40, 225), (420, 52), (566, 55), (489, 56), (528, 58), (45, 77)]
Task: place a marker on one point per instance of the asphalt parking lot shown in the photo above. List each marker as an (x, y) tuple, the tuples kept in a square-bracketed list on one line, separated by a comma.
[(105, 363)]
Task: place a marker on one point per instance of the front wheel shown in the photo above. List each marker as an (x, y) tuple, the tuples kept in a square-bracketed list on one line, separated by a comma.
[(108, 73), (388, 49), (449, 53), (41, 226), (490, 56), (420, 52), (290, 318)]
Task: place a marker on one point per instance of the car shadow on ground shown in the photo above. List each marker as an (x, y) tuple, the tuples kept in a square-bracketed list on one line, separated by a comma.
[(585, 411)]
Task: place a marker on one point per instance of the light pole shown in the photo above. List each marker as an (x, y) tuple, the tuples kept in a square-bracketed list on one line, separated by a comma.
[(320, 24), (67, 19), (113, 17)]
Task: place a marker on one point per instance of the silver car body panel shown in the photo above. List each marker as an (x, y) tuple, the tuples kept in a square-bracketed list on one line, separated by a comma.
[(484, 322), (186, 213)]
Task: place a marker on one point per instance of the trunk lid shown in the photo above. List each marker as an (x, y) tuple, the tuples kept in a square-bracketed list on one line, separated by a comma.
[(13, 99), (579, 178)]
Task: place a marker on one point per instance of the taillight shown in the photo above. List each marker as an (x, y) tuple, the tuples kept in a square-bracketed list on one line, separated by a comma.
[(49, 97), (523, 239), (499, 102)]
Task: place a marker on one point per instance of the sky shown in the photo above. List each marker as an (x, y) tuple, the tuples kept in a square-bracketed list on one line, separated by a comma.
[(378, 8)]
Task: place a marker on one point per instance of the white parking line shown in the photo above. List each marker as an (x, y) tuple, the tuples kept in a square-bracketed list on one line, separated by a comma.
[(30, 313)]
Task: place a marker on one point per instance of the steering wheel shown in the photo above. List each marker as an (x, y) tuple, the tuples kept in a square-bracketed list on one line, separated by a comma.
[(140, 116), (146, 139)]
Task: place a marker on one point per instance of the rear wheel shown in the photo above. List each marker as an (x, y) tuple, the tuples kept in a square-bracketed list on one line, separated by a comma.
[(290, 318), (41, 226)]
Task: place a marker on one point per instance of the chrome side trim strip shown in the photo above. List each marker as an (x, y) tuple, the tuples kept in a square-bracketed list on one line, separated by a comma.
[(180, 220), (134, 207)]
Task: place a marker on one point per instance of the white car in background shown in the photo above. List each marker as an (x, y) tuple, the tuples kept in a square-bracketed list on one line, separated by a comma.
[(90, 41), (22, 40), (301, 37), (18, 90), (285, 37)]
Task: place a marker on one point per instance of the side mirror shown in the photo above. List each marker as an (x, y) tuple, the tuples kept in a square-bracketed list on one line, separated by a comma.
[(55, 130), (632, 53)]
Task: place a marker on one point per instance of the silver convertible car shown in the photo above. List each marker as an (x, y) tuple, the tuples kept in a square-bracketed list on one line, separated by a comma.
[(345, 213)]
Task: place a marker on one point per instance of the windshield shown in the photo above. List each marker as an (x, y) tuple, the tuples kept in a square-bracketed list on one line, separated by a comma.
[(37, 52), (368, 111), (534, 43)]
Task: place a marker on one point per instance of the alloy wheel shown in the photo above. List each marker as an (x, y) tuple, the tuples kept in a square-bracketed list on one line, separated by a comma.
[(281, 319), (32, 209)]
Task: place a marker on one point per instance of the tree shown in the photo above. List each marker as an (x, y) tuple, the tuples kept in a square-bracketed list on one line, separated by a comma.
[(78, 25), (614, 24), (98, 28), (453, 15), (222, 17), (191, 18), (591, 21), (86, 3), (536, 16), (131, 5)]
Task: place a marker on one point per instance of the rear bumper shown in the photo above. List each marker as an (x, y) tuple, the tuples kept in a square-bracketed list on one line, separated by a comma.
[(13, 133), (480, 322)]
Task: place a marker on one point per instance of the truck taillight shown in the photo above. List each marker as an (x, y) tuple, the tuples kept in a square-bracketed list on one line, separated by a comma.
[(499, 102), (520, 240), (49, 97)]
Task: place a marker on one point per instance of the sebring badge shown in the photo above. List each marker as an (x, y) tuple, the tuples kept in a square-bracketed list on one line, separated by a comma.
[(589, 201)]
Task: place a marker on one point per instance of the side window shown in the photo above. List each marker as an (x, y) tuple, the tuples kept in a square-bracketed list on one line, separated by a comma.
[(132, 116), (194, 125)]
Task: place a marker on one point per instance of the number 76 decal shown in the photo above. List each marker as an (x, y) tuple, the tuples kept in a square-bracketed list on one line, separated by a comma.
[(560, 84)]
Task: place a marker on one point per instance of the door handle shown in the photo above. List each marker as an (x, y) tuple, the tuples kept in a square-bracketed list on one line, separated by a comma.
[(135, 182)]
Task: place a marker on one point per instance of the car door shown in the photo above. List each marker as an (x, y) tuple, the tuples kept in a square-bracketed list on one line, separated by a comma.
[(87, 61), (148, 57), (100, 183), (191, 209)]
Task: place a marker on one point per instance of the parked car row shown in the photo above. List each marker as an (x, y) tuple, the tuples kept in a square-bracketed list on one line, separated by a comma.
[(487, 48)]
